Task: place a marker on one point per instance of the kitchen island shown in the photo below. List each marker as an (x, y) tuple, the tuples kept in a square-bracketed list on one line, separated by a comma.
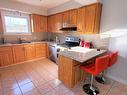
[(69, 62)]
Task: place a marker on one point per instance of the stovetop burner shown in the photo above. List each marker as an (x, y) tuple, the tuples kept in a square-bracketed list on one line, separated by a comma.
[(70, 42)]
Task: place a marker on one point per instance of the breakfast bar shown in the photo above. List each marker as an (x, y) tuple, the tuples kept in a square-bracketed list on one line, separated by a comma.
[(69, 62)]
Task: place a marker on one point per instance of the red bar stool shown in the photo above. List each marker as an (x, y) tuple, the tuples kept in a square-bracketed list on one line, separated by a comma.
[(113, 59), (94, 69)]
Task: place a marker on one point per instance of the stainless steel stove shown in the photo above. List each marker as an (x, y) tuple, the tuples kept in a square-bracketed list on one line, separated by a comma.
[(70, 41)]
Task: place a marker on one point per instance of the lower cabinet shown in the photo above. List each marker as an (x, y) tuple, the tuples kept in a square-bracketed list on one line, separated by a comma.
[(69, 71), (40, 50), (29, 51), (18, 53), (6, 56)]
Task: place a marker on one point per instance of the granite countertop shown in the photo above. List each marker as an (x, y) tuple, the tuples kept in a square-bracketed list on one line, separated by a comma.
[(9, 44), (81, 54)]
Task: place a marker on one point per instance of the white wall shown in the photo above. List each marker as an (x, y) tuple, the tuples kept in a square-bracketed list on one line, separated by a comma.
[(114, 22), (9, 4)]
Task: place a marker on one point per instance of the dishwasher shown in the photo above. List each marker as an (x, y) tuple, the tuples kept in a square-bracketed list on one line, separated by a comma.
[(53, 52)]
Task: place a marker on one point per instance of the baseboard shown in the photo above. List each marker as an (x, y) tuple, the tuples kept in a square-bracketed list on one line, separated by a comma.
[(22, 62), (117, 79)]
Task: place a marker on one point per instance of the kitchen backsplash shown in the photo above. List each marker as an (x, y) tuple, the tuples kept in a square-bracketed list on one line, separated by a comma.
[(35, 36), (98, 40)]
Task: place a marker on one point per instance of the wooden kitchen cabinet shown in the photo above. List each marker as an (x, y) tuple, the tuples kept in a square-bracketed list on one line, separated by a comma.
[(51, 23), (1, 25), (29, 51), (81, 18), (73, 18), (41, 50), (38, 23), (55, 23), (69, 71), (18, 53), (6, 56), (65, 18), (43, 23), (88, 19)]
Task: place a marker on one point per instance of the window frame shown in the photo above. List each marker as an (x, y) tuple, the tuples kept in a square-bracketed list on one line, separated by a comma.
[(18, 15)]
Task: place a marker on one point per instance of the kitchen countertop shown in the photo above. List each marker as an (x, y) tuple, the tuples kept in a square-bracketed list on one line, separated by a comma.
[(81, 54), (9, 44)]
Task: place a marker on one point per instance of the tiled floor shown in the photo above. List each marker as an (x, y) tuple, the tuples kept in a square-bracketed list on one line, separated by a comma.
[(40, 78)]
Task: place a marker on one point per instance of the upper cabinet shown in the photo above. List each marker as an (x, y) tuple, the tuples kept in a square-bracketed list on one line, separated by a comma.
[(69, 18), (81, 19), (93, 16), (89, 19), (55, 23), (38, 23), (1, 25), (86, 19), (73, 17), (65, 18)]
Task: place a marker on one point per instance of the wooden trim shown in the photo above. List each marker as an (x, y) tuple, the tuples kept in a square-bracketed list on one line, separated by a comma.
[(23, 62)]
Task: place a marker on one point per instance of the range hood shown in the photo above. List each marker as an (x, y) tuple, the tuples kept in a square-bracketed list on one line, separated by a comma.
[(68, 29)]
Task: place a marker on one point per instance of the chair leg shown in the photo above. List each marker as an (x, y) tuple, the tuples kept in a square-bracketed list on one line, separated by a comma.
[(101, 79), (90, 89)]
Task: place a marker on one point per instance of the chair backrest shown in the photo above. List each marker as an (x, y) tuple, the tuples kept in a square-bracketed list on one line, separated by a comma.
[(101, 63), (113, 58)]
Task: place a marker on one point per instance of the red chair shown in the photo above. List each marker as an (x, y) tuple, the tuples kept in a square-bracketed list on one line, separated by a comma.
[(100, 65), (113, 58), (112, 61)]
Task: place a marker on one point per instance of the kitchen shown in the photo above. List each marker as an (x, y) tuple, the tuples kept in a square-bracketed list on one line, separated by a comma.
[(46, 53)]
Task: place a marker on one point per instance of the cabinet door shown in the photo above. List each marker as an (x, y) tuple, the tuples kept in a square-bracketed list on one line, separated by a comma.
[(81, 19), (6, 57), (43, 23), (90, 18), (66, 18), (65, 73), (51, 24), (19, 53), (29, 52), (73, 18), (1, 25), (40, 50), (58, 22), (39, 23), (35, 23)]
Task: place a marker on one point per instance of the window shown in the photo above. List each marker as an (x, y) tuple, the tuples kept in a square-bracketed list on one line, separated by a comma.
[(16, 23)]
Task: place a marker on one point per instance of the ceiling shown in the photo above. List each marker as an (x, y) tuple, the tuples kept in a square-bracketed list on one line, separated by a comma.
[(48, 4)]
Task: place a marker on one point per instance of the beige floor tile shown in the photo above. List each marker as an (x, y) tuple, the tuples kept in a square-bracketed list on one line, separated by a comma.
[(44, 88), (62, 89), (9, 85), (118, 89), (13, 92), (54, 83), (33, 92), (27, 87), (52, 92), (39, 81), (40, 78), (104, 88)]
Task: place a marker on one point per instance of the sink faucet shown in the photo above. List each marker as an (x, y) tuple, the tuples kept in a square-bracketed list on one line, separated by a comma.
[(57, 40)]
